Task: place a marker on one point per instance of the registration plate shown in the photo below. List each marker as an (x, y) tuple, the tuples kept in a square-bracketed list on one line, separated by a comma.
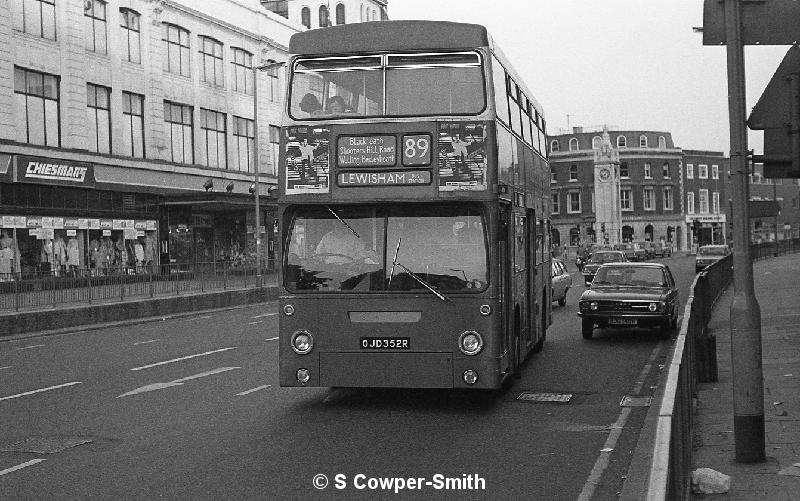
[(385, 343), (621, 321)]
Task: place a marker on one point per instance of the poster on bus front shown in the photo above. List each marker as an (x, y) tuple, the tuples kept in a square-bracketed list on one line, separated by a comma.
[(307, 160), (462, 156)]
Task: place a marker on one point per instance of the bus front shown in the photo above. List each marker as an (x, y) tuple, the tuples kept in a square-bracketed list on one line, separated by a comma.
[(386, 210)]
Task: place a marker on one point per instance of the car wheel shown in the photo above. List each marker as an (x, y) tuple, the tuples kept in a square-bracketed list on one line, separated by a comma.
[(563, 300), (587, 327)]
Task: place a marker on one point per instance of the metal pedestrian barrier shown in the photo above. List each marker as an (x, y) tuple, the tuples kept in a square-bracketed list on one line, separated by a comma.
[(34, 291)]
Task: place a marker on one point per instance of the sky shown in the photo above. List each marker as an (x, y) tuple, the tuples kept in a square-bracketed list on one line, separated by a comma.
[(628, 64)]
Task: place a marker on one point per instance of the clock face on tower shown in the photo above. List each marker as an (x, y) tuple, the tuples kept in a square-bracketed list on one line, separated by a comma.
[(605, 174)]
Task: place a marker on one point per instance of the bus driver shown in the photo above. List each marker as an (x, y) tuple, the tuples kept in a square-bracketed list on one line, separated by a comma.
[(342, 246)]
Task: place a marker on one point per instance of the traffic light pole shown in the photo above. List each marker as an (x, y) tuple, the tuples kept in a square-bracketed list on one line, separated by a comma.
[(745, 319)]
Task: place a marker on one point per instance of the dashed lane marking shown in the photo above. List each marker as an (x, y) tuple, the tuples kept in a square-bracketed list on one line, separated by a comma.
[(146, 342), (21, 466), (183, 358), (177, 382), (31, 347), (271, 338), (265, 315), (254, 323), (10, 397), (247, 392), (6, 367)]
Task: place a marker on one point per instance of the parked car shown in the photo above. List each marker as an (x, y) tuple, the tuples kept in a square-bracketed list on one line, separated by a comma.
[(663, 249), (628, 249), (709, 254), (599, 258), (630, 295), (639, 251), (562, 281), (650, 249)]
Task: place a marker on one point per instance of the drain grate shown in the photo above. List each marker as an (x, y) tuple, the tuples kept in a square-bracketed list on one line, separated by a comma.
[(45, 445), (629, 401), (561, 398)]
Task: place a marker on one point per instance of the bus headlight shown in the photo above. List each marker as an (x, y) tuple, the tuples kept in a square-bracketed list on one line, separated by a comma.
[(470, 343), (302, 342), (470, 376), (288, 310), (486, 310), (303, 376)]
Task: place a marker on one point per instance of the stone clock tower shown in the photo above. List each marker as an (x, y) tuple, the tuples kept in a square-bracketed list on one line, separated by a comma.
[(608, 211)]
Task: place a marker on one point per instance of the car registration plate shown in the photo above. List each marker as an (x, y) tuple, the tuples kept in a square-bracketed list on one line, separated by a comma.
[(621, 321), (385, 343)]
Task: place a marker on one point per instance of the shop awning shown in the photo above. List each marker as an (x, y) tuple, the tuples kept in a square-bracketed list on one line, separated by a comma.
[(214, 201)]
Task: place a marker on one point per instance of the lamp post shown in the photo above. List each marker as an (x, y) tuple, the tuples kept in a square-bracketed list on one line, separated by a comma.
[(270, 64)]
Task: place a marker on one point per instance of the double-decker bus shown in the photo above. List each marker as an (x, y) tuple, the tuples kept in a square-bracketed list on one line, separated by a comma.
[(414, 210)]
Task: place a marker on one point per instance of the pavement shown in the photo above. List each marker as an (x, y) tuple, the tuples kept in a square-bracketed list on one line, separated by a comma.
[(777, 288)]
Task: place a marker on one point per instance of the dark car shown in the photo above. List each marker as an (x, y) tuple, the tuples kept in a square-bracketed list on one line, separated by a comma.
[(628, 249), (599, 258), (663, 249), (709, 254), (630, 295)]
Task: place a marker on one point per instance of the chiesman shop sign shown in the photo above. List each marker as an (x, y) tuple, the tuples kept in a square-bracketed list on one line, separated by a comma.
[(48, 170)]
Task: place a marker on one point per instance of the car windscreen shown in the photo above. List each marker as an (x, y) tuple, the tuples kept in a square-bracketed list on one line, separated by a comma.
[(605, 257), (712, 251), (394, 248), (630, 276)]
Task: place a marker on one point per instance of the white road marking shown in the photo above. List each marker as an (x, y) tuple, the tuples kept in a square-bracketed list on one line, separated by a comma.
[(31, 347), (177, 382), (6, 367), (254, 389), (183, 358), (40, 390), (616, 430), (198, 318), (145, 342), (21, 466), (271, 338), (265, 315), (253, 323)]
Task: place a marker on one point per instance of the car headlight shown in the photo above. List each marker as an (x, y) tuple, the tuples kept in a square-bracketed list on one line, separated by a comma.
[(470, 343), (659, 306), (593, 305), (584, 305), (302, 342)]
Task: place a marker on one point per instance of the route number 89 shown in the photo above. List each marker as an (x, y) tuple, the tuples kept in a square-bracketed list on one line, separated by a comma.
[(417, 149)]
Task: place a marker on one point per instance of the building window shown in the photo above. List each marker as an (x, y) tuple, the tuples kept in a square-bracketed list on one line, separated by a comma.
[(131, 35), (665, 170), (37, 18), (623, 169), (177, 45), (573, 172), (622, 142), (36, 102), (243, 138), (649, 199), (703, 201), (667, 197), (642, 141), (715, 172), (592, 192), (648, 174), (574, 205), (211, 61), (715, 202), (324, 18), (662, 142), (702, 171), (274, 85), (99, 118), (554, 203), (242, 71), (179, 120), (554, 145), (213, 151), (133, 124), (553, 178), (305, 17), (689, 171), (94, 11), (274, 146), (690, 203), (340, 14), (626, 199), (573, 144), (596, 141)]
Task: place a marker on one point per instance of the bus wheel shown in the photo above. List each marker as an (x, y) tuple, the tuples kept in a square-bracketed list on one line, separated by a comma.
[(586, 328)]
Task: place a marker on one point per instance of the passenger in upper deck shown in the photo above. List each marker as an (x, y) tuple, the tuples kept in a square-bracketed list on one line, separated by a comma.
[(310, 104)]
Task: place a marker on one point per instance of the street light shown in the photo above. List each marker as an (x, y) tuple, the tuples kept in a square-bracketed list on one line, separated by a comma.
[(270, 64)]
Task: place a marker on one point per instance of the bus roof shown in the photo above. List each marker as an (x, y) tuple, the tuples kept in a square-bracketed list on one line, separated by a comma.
[(389, 36)]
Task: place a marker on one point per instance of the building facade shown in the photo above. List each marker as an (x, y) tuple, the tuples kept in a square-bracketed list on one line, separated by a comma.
[(324, 13), (705, 197), (786, 192), (648, 168)]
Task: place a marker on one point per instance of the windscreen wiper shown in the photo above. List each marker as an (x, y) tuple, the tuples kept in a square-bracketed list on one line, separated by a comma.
[(425, 284), (343, 222)]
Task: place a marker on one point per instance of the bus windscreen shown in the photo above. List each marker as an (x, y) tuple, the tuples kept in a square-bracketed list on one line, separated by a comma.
[(416, 85), (399, 249)]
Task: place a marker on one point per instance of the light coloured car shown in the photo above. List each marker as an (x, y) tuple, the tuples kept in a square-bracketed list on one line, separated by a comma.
[(599, 258), (562, 281), (709, 254)]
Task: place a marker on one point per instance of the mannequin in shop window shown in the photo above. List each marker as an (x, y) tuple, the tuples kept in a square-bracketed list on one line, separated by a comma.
[(96, 257), (6, 258), (138, 250), (59, 255), (73, 256), (149, 248), (120, 254), (46, 256), (107, 251)]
